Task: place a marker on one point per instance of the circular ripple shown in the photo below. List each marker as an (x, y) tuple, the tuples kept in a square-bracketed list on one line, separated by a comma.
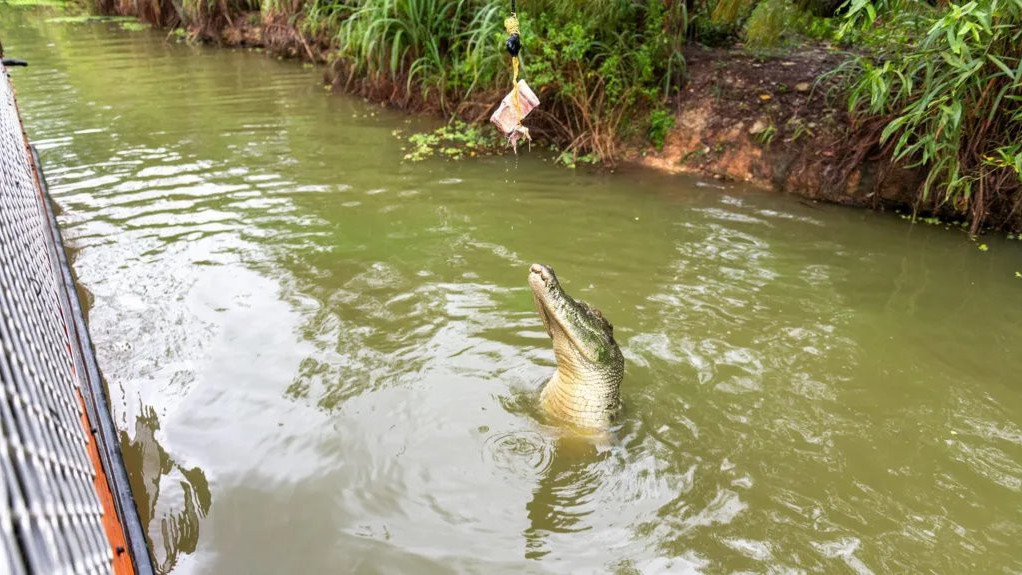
[(520, 453)]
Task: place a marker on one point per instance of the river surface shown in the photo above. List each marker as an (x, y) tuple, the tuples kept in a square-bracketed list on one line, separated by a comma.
[(325, 359)]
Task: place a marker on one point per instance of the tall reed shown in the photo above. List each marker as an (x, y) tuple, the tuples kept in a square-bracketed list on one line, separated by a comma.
[(430, 49)]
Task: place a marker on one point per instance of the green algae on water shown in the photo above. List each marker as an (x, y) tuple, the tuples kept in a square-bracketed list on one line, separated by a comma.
[(85, 18), (49, 3), (134, 26)]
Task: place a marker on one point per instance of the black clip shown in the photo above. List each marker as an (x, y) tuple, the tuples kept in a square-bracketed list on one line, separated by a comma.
[(513, 45)]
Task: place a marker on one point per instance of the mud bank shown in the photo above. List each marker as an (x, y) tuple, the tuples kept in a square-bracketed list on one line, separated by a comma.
[(771, 121)]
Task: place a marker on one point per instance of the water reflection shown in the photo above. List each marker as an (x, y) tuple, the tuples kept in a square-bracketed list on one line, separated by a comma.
[(565, 485), (172, 501)]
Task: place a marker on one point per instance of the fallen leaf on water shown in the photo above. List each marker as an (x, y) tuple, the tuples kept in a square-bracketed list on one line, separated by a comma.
[(983, 247)]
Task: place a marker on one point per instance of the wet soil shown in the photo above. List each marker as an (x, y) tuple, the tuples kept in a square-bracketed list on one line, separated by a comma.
[(778, 121)]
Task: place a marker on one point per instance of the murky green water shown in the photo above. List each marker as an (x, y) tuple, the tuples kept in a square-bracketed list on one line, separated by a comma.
[(324, 359)]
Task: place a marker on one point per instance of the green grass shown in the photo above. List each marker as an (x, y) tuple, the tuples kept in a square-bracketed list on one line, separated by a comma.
[(431, 49)]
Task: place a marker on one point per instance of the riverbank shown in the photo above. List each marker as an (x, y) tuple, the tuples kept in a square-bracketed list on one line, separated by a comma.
[(776, 119), (771, 121), (764, 120)]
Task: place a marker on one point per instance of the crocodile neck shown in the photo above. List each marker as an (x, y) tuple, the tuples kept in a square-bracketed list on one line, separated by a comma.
[(586, 401)]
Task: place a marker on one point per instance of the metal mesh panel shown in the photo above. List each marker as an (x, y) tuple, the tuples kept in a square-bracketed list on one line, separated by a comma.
[(50, 516)]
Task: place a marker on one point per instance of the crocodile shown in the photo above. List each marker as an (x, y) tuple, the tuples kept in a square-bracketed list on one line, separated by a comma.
[(585, 390)]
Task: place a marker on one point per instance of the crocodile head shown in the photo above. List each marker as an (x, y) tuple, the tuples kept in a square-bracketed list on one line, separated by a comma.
[(585, 389)]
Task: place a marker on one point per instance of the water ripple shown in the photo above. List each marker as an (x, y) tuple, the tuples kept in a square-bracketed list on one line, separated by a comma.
[(346, 347), (521, 454)]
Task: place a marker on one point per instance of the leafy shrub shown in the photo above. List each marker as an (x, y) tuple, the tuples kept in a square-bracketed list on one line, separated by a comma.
[(768, 21), (603, 67), (952, 103), (660, 123)]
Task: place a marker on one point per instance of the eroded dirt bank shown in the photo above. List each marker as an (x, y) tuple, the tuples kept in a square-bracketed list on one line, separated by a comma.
[(773, 122)]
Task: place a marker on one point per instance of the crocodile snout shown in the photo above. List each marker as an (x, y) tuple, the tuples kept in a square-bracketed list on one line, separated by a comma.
[(542, 272)]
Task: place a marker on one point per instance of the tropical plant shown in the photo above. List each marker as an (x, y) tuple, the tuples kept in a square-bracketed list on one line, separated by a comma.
[(442, 49), (604, 67), (952, 105)]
